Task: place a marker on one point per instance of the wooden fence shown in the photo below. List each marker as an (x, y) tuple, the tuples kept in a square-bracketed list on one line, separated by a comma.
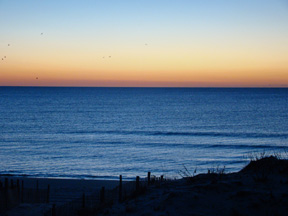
[(94, 203), (14, 193)]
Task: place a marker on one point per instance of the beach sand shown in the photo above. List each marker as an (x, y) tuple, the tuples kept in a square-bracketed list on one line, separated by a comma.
[(261, 188), (61, 191)]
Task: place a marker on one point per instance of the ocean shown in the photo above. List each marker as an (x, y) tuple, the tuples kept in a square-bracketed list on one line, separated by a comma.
[(101, 133)]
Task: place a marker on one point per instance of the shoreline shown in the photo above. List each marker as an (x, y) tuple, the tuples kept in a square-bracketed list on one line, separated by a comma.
[(260, 188), (99, 178), (58, 182)]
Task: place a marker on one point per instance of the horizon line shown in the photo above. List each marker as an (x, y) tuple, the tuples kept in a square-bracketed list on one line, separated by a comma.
[(239, 87)]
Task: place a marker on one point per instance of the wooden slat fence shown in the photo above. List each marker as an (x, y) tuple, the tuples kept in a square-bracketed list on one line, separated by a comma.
[(90, 205), (14, 193)]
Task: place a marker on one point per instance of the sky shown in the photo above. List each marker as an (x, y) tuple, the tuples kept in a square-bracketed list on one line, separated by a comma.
[(151, 43)]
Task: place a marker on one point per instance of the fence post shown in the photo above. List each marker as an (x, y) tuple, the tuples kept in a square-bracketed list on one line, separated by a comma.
[(137, 184), (6, 193), (120, 189), (22, 191), (12, 183), (83, 201), (48, 193), (149, 177), (18, 191), (37, 192), (54, 210), (6, 184), (102, 195)]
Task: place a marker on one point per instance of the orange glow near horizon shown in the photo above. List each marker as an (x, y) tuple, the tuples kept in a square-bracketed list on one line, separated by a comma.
[(161, 79), (145, 70), (228, 44)]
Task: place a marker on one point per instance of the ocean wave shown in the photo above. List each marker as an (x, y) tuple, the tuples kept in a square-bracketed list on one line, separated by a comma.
[(219, 146), (195, 134), (247, 146)]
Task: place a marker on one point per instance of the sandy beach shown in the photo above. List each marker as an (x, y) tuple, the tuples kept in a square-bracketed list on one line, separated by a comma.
[(72, 188), (261, 188), (62, 191)]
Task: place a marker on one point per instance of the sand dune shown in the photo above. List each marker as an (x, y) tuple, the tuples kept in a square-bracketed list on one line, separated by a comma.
[(261, 188)]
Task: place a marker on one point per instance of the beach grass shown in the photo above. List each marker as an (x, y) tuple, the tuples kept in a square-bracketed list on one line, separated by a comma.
[(260, 188)]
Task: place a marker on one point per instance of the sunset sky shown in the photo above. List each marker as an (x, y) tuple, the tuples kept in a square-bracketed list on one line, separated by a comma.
[(185, 43)]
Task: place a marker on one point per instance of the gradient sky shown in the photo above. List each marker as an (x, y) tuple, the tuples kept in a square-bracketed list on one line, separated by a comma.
[(144, 43)]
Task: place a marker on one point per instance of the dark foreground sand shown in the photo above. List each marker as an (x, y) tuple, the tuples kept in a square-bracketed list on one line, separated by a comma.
[(61, 192), (68, 188), (261, 188)]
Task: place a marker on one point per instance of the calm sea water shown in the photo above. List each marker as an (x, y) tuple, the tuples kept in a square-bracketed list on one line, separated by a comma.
[(105, 132)]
